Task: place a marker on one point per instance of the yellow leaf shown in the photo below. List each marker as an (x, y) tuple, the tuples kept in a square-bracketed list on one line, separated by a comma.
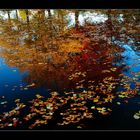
[(99, 108), (95, 100)]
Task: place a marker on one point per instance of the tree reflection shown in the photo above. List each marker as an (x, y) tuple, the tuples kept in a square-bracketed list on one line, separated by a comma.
[(76, 64)]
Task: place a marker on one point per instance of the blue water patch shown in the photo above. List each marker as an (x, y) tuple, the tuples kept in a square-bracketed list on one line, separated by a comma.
[(13, 86), (131, 59)]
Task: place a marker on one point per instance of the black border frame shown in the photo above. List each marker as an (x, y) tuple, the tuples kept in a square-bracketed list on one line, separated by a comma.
[(68, 4)]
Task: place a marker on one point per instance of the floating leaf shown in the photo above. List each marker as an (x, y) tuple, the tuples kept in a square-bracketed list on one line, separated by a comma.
[(136, 117), (118, 103)]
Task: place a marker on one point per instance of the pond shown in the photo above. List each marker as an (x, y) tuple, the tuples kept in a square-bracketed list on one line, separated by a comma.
[(14, 85), (61, 70)]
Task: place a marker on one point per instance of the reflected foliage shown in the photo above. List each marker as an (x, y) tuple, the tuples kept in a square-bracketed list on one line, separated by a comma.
[(75, 64)]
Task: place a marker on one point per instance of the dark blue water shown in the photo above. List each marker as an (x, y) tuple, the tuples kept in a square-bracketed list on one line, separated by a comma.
[(122, 115), (13, 86)]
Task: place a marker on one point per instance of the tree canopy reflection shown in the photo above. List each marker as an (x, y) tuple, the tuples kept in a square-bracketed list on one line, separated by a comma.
[(75, 64)]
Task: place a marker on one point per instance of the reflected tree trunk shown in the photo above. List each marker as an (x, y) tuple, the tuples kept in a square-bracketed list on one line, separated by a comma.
[(9, 17), (42, 26), (110, 23), (49, 13), (17, 15), (28, 24), (27, 16), (60, 14), (49, 18), (41, 14), (50, 24), (76, 18)]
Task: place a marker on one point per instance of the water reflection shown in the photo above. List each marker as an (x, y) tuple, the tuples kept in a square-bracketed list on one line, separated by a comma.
[(68, 79), (54, 74), (78, 78)]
